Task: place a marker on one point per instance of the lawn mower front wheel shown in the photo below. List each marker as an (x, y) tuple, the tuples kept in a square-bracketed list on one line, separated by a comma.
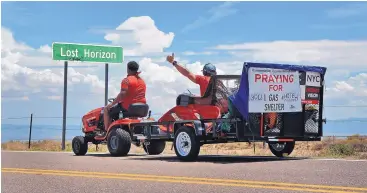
[(155, 147), (79, 145)]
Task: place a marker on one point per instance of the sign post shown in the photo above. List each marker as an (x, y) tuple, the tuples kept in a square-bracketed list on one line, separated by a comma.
[(84, 53), (64, 105), (106, 85)]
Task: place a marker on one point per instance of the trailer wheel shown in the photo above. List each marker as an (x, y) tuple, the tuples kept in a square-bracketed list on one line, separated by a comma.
[(155, 147), (282, 149), (119, 142), (79, 145), (186, 144)]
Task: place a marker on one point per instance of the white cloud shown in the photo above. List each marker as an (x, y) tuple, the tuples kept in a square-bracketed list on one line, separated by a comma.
[(20, 79), (45, 49), (350, 92), (330, 53), (214, 14), (8, 42), (25, 56), (354, 86), (140, 35), (163, 81)]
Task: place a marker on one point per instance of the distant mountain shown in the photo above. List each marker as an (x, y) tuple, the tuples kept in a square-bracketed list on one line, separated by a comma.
[(349, 119)]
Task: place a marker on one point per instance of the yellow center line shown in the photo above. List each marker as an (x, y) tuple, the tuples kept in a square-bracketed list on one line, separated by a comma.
[(190, 178), (177, 181), (158, 178)]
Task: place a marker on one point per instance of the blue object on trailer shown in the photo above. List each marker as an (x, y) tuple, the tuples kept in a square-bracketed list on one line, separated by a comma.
[(240, 99)]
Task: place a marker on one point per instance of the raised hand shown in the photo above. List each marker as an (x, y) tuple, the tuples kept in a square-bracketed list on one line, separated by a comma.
[(171, 58)]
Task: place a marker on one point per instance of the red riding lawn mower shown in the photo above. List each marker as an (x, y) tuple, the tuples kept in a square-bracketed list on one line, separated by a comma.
[(119, 135)]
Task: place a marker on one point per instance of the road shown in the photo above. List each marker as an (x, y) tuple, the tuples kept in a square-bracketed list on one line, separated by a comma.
[(36, 172)]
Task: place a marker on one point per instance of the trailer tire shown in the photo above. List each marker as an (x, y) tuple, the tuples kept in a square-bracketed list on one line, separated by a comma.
[(119, 142), (284, 148), (187, 137), (155, 147), (79, 145)]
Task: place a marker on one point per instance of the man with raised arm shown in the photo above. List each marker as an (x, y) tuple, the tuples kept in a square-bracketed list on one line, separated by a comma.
[(202, 80), (133, 90), (209, 70)]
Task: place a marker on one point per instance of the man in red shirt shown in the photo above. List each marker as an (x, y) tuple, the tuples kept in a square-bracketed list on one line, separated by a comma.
[(201, 80), (133, 90)]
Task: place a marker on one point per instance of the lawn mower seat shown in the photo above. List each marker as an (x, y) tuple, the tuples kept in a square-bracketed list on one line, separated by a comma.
[(184, 100), (137, 110), (187, 99)]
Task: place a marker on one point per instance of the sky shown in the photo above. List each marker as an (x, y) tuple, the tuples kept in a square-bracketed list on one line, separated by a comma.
[(227, 34)]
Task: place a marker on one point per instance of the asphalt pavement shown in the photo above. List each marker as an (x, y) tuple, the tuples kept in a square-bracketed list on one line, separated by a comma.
[(36, 172)]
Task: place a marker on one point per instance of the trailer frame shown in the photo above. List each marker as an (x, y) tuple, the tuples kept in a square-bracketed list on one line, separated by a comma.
[(244, 130)]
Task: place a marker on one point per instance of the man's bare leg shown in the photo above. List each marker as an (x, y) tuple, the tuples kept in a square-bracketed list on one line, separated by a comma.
[(106, 119)]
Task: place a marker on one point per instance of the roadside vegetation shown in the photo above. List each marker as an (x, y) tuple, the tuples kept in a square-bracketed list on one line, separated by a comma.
[(330, 147)]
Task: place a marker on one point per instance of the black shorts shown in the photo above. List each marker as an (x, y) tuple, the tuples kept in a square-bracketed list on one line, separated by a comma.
[(115, 110)]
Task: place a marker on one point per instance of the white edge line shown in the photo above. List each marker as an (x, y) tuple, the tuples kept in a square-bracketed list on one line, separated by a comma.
[(66, 152), (314, 159), (334, 159), (36, 151)]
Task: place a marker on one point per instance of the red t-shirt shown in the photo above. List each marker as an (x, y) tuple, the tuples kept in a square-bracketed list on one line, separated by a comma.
[(136, 89), (203, 82)]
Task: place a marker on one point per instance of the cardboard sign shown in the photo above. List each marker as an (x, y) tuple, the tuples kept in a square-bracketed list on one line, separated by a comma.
[(274, 90), (310, 83)]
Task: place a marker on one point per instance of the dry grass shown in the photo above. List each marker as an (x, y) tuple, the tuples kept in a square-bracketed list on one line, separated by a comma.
[(353, 147)]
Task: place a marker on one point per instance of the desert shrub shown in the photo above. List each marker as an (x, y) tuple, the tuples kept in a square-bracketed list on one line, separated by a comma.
[(362, 156), (341, 150), (318, 146), (359, 147), (359, 143), (354, 137)]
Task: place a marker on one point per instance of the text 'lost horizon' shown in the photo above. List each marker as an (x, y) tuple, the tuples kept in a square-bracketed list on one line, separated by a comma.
[(87, 53)]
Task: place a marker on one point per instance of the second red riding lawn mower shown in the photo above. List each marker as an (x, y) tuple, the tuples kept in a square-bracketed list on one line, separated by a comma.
[(119, 135)]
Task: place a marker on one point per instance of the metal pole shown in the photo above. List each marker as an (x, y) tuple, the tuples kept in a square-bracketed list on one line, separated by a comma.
[(106, 85), (30, 132), (64, 105)]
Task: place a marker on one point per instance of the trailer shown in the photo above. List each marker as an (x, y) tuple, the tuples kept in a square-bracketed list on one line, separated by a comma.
[(274, 103)]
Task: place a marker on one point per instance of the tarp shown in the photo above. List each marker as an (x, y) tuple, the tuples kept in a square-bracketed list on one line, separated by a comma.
[(240, 99)]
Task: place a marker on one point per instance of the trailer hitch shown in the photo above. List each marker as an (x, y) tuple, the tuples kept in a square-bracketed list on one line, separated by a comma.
[(97, 148)]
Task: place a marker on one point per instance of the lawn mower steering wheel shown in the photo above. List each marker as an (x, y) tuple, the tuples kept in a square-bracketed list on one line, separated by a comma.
[(111, 100)]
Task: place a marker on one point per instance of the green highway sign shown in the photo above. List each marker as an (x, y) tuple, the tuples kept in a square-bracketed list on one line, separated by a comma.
[(87, 53)]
